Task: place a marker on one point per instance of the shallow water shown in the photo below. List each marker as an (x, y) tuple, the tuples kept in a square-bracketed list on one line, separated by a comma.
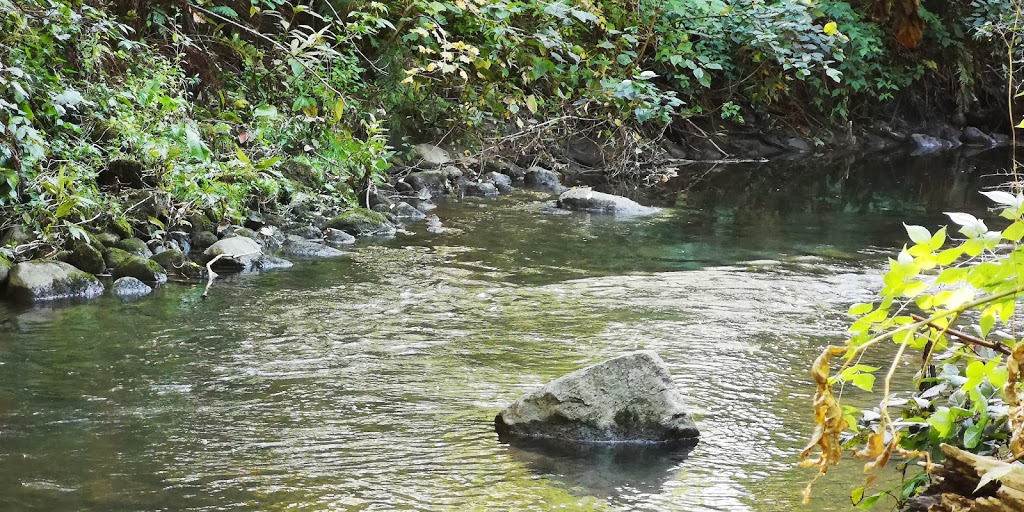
[(371, 382)]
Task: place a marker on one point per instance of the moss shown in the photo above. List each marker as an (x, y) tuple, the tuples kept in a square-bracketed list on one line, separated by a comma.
[(147, 271), (114, 257), (361, 222), (87, 258), (133, 246)]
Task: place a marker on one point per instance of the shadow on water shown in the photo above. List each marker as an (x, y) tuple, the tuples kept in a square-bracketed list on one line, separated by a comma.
[(601, 470)]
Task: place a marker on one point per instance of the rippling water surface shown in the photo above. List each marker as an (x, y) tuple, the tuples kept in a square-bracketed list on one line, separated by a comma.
[(371, 382)]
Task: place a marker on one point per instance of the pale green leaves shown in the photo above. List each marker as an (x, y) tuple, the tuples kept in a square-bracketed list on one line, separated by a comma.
[(995, 474), (970, 226)]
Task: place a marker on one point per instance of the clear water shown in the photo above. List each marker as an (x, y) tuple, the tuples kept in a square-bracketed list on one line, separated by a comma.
[(371, 382)]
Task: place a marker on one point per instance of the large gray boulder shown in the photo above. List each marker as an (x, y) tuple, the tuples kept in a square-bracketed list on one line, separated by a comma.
[(240, 254), (630, 398), (37, 281), (585, 199)]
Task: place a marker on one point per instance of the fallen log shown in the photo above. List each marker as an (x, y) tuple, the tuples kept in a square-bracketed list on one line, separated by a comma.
[(966, 482)]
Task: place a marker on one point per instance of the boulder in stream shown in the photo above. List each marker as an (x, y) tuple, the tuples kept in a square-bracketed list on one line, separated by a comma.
[(585, 199), (630, 399), (542, 179), (40, 280), (240, 254)]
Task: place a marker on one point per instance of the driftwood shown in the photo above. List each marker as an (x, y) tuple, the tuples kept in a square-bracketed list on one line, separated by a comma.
[(955, 482)]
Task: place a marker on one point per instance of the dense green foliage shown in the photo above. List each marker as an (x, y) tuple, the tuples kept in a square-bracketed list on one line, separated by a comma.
[(214, 97)]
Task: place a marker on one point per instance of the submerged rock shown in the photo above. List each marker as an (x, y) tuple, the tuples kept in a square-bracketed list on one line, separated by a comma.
[(929, 144), (299, 247), (585, 199), (630, 398), (131, 287), (408, 212), (501, 181), (336, 237), (976, 137), (142, 269), (41, 280), (483, 189), (240, 254), (362, 222)]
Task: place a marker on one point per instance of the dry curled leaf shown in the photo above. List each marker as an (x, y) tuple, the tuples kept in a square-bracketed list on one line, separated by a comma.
[(828, 419)]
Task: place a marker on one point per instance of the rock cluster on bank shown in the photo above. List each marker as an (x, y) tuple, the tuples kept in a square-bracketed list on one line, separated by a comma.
[(133, 266)]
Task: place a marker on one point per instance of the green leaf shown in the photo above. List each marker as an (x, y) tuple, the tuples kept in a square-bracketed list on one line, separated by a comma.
[(973, 435), (942, 421), (857, 495), (860, 309), (919, 234), (1015, 232), (268, 111)]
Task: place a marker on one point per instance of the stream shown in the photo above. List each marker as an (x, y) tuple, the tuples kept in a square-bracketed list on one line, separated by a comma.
[(371, 382)]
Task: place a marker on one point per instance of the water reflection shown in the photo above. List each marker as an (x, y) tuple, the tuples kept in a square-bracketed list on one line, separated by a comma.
[(602, 470)]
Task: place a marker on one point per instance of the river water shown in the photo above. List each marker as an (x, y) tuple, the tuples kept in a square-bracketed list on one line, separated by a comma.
[(371, 382)]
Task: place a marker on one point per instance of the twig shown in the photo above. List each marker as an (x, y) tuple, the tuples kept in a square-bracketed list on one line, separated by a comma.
[(967, 338), (211, 275)]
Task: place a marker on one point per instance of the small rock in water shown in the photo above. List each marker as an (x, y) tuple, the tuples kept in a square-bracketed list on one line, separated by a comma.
[(131, 287), (630, 398), (298, 247), (585, 199), (336, 237), (408, 212), (484, 189)]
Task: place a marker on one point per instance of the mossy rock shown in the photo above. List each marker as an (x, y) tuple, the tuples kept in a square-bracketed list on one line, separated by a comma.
[(145, 270), (87, 258), (362, 222), (5, 270), (134, 246), (114, 257), (105, 239), (35, 281), (176, 263), (170, 260), (300, 173)]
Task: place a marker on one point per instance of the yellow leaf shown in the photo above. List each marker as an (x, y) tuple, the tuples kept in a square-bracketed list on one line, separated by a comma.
[(339, 109), (831, 28), (531, 103)]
